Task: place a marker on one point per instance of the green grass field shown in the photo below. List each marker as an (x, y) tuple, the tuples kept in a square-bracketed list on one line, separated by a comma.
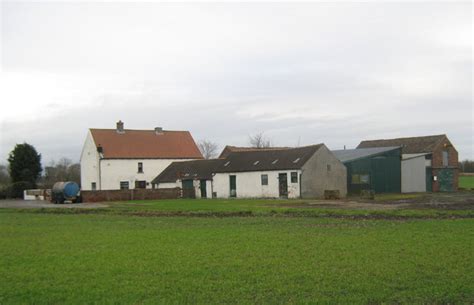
[(466, 182), (131, 254)]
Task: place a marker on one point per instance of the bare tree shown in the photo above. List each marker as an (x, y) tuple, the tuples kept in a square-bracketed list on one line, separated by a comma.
[(4, 175), (63, 170), (208, 149), (259, 140)]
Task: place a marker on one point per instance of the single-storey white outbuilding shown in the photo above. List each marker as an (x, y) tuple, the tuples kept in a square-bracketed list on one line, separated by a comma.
[(195, 177), (303, 172)]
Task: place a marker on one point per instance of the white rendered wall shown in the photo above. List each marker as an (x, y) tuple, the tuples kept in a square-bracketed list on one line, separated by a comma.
[(249, 184), (113, 171), (89, 164), (196, 184), (167, 185), (197, 188), (414, 175)]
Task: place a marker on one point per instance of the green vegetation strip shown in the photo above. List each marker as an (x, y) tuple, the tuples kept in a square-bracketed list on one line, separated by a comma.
[(117, 259), (466, 182)]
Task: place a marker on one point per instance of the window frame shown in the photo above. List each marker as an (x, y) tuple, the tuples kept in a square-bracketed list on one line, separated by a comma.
[(264, 178), (140, 167), (94, 186), (122, 185), (294, 177), (140, 184)]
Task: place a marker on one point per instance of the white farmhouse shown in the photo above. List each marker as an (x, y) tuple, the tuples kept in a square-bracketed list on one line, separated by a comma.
[(121, 158)]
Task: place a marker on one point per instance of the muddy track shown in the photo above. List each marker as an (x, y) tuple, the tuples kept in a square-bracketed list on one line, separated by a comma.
[(282, 214)]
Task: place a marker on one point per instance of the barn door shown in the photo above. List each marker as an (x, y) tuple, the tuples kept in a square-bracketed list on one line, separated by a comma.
[(233, 186), (188, 189), (283, 185), (203, 189)]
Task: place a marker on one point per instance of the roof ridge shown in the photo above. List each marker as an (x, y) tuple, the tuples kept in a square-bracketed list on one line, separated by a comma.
[(403, 138), (150, 130)]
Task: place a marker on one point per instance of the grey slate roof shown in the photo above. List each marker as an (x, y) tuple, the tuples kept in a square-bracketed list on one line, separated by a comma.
[(196, 169), (261, 160), (229, 149), (346, 155), (411, 145)]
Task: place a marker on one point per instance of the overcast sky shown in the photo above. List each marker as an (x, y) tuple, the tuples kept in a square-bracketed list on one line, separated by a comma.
[(302, 73)]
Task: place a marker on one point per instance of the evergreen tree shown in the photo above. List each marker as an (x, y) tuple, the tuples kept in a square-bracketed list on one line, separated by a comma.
[(25, 164)]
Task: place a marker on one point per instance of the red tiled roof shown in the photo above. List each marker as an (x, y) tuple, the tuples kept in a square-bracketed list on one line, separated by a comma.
[(144, 144)]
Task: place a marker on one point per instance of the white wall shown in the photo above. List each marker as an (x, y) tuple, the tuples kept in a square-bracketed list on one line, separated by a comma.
[(249, 184), (89, 164), (167, 185), (113, 171), (414, 175), (196, 184)]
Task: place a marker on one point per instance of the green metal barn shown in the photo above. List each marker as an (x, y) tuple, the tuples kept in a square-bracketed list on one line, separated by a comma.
[(377, 169)]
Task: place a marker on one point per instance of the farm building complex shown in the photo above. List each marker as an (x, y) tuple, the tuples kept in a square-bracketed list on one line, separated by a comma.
[(303, 172), (118, 159), (440, 158), (114, 159)]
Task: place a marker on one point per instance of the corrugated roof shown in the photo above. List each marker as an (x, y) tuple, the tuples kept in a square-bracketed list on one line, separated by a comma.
[(346, 155), (259, 160), (144, 144), (197, 169), (412, 145), (229, 149)]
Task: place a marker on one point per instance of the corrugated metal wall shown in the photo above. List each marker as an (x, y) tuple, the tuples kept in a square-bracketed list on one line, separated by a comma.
[(383, 170)]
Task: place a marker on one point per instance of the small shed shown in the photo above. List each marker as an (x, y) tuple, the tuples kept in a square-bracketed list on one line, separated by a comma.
[(377, 169), (193, 177)]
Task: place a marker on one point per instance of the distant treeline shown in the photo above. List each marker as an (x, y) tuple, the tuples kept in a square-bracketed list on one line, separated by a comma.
[(466, 166)]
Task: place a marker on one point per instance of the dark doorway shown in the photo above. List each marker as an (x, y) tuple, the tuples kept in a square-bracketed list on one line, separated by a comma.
[(188, 189), (203, 189), (283, 185), (429, 179), (233, 185)]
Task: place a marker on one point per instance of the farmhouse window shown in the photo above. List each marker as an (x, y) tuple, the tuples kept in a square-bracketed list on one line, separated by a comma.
[(140, 167), (294, 177), (264, 179), (140, 184), (93, 186), (124, 185)]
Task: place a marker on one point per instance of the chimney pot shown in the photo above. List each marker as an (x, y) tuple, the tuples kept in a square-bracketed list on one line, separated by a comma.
[(120, 127)]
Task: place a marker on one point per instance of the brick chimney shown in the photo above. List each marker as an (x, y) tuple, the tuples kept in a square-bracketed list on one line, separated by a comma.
[(120, 127)]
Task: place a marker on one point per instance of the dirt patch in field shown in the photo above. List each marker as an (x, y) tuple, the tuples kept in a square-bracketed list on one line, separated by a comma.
[(441, 201)]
